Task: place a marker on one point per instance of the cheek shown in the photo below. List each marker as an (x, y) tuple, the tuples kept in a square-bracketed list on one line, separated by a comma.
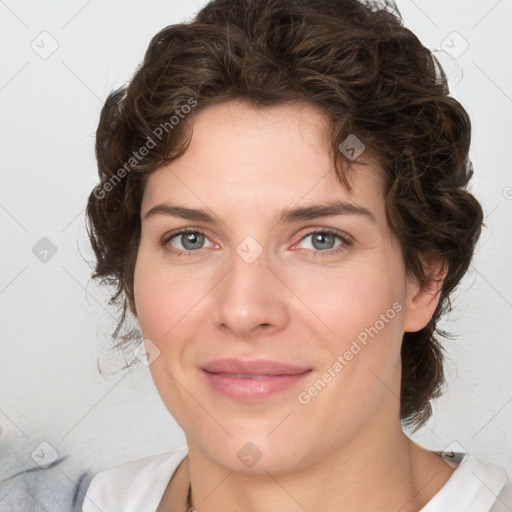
[(163, 295), (163, 302), (350, 300), (364, 310), (148, 296)]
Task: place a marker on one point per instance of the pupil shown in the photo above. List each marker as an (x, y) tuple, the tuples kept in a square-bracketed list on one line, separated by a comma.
[(321, 237), (191, 238)]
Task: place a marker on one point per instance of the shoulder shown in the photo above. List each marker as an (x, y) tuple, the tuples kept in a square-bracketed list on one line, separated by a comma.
[(473, 487), (136, 485), (504, 499)]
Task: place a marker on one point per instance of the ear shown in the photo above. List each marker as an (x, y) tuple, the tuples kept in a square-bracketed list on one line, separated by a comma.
[(421, 302)]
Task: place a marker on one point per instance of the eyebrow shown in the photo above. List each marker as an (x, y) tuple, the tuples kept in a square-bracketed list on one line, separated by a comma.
[(286, 216)]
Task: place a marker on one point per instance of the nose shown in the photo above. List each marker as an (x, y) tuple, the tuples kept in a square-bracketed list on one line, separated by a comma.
[(251, 298)]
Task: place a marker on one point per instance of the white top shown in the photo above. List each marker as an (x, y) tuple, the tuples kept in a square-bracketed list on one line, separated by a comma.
[(138, 486)]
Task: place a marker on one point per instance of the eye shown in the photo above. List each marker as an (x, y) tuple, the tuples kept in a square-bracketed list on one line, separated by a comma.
[(323, 241), (191, 240)]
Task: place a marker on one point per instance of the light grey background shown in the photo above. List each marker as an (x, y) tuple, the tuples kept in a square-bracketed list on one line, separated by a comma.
[(54, 323)]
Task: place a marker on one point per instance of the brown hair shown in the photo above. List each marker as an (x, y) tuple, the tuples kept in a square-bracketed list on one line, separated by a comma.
[(369, 76)]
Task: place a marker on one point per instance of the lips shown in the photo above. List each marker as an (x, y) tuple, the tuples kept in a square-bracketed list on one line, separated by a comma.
[(252, 381), (260, 367)]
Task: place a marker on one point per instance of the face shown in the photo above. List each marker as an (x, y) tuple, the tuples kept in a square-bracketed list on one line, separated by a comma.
[(326, 294)]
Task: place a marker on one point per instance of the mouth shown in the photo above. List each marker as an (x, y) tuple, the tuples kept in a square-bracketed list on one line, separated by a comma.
[(241, 376), (253, 385)]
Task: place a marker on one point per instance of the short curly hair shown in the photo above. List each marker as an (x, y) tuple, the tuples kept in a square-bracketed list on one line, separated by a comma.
[(366, 73)]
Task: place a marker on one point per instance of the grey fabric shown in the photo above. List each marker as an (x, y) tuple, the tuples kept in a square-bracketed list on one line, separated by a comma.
[(27, 487)]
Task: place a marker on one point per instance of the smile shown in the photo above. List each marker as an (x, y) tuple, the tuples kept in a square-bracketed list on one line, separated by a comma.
[(251, 388)]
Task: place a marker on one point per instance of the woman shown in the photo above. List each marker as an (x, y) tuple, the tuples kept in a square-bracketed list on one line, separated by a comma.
[(283, 210)]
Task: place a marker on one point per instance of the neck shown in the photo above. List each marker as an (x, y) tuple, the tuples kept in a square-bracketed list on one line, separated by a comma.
[(392, 474)]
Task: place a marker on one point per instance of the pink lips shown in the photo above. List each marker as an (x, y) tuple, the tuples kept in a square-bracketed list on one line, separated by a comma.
[(251, 381)]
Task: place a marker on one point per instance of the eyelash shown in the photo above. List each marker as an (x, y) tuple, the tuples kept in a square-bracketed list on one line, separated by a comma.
[(346, 239)]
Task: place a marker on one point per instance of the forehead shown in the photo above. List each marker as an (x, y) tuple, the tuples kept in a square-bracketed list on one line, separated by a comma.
[(247, 158)]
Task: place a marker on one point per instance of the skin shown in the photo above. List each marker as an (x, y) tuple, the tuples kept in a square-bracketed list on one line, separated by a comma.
[(345, 449)]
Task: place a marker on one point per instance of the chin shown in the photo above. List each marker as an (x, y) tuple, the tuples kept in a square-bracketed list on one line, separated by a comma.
[(255, 454)]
